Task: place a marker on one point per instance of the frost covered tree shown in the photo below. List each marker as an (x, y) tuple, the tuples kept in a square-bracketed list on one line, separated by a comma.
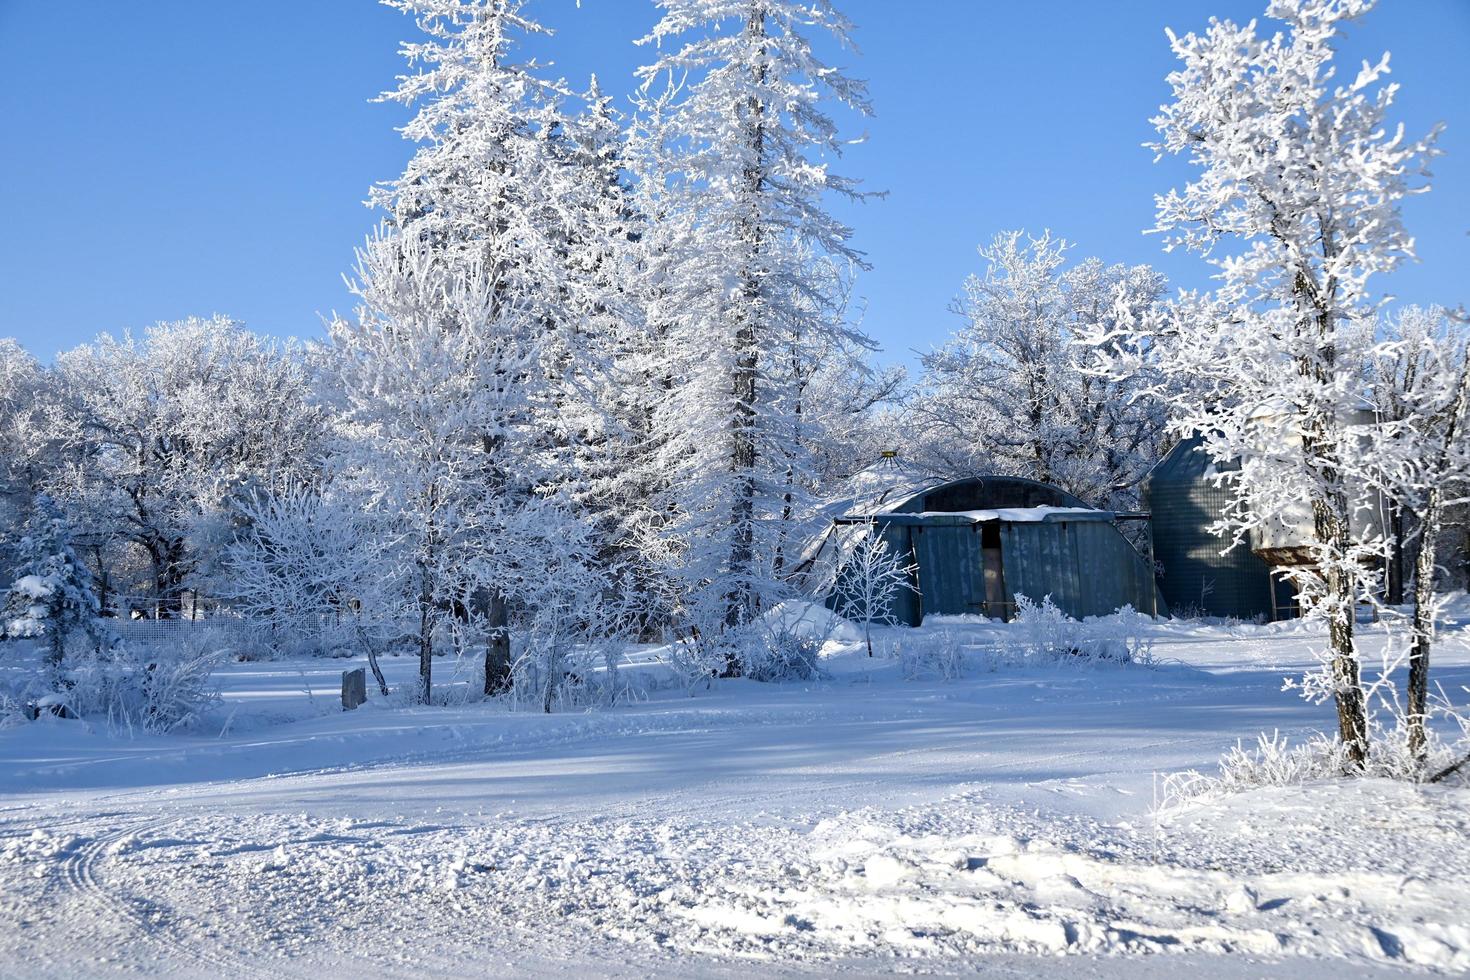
[(417, 378), (1011, 391), (1297, 203), (871, 578), (52, 596), (736, 142), (1420, 372), (504, 205), (309, 559), (27, 435), (155, 434)]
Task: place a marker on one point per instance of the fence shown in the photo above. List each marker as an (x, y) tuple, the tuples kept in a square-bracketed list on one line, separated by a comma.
[(144, 631)]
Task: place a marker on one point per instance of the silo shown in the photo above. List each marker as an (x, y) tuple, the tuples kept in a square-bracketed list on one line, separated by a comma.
[(1182, 496)]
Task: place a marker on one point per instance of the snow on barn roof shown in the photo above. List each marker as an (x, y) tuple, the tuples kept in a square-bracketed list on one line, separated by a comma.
[(1012, 515)]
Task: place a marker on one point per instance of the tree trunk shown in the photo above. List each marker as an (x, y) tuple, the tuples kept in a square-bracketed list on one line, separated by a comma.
[(372, 654), (1334, 534), (426, 639), (1424, 567), (1393, 578), (1423, 627), (497, 644), (744, 380)]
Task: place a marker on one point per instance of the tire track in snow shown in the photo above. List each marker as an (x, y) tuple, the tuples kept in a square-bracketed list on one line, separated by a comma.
[(154, 924)]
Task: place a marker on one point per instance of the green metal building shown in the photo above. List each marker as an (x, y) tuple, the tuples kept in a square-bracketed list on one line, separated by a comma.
[(1184, 497), (978, 543)]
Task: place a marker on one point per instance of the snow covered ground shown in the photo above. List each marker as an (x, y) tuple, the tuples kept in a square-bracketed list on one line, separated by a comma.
[(1002, 824)]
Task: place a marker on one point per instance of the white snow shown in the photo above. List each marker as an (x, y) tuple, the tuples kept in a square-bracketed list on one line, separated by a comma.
[(857, 824), (1019, 515), (34, 586)]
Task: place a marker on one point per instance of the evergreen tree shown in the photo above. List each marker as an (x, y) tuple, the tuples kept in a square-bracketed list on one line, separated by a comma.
[(53, 595), (492, 197), (737, 159)]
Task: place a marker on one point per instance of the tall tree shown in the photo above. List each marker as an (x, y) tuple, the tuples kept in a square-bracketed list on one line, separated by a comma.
[(417, 381), (740, 161), (1297, 200), (1420, 374), (492, 196)]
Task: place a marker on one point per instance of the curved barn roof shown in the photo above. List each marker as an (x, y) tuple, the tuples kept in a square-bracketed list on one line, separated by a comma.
[(990, 492)]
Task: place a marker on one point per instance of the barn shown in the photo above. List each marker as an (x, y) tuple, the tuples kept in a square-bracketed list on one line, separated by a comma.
[(978, 543)]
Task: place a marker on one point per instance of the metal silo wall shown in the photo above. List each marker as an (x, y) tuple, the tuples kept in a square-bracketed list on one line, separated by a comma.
[(1239, 583)]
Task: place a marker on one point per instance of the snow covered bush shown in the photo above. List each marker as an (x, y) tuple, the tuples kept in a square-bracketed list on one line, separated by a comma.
[(695, 658), (932, 656), (1045, 630), (1275, 761), (1124, 637), (12, 712), (156, 690), (782, 655), (1048, 633)]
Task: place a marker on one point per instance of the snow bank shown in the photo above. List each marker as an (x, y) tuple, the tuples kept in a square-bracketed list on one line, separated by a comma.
[(813, 621)]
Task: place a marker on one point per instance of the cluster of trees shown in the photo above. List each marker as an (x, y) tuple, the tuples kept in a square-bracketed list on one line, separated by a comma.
[(1017, 390), (578, 394), (1344, 421)]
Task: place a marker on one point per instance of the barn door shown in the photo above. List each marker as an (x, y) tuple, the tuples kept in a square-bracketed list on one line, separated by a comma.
[(997, 603)]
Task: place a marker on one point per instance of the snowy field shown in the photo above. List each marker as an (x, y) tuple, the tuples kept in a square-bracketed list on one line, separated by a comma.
[(1004, 824)]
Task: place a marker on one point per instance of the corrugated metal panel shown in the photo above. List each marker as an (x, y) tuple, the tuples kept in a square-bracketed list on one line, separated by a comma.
[(907, 603), (951, 577), (1196, 577), (1087, 568)]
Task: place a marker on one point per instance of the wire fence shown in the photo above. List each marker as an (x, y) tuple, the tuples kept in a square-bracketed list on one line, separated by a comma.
[(166, 630)]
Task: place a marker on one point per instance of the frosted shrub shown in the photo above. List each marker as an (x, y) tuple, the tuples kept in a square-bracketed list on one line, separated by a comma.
[(931, 657), (782, 655), (12, 710), (695, 659), (1123, 636), (1045, 630), (156, 691), (1274, 761), (1047, 633)]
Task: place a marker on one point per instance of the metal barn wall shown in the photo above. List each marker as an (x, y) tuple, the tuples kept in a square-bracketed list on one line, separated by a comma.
[(951, 569), (906, 602), (1184, 502), (1087, 567)]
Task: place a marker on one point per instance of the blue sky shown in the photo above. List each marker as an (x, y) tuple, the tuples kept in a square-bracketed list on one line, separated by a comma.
[(169, 158)]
